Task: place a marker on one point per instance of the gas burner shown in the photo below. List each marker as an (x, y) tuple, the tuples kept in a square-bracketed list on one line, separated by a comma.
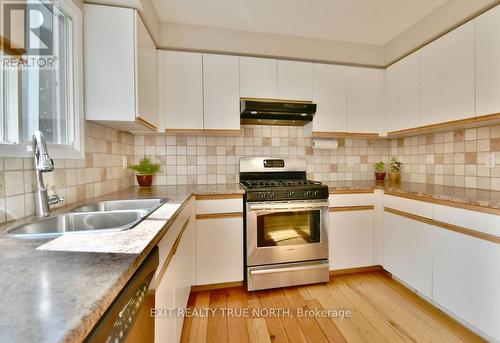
[(271, 179)]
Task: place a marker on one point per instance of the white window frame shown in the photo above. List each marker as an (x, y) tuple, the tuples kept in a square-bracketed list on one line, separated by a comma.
[(22, 149)]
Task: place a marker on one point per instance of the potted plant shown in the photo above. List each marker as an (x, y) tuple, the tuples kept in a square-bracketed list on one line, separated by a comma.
[(395, 169), (145, 170), (379, 171)]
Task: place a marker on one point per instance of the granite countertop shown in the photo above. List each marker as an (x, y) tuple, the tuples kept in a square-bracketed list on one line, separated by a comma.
[(467, 196), (56, 289)]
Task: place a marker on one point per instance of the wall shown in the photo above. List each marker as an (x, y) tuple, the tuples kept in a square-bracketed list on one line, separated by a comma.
[(99, 173), (452, 158), (207, 160)]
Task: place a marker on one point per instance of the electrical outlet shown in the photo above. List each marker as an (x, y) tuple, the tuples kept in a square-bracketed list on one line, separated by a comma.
[(490, 160), (124, 162)]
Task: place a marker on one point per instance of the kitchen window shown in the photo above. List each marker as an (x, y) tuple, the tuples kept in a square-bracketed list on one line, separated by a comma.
[(41, 88)]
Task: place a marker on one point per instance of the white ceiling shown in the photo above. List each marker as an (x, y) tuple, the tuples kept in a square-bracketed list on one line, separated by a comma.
[(360, 21)]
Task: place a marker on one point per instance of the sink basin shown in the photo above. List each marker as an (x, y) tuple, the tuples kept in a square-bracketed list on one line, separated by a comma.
[(87, 222), (113, 205)]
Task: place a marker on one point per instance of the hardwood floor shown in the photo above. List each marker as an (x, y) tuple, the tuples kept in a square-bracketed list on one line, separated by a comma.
[(382, 311)]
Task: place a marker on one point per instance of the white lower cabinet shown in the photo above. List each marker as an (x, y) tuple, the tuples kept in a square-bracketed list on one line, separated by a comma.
[(351, 239), (175, 278), (219, 250), (454, 283), (465, 279), (406, 251)]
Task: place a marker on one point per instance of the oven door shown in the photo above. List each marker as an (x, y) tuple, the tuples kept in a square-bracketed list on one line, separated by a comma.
[(280, 232)]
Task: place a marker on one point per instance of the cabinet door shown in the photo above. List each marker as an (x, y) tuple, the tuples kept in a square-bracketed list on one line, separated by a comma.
[(351, 239), (184, 272), (407, 251), (447, 77), (258, 78), (109, 63), (364, 100), (219, 250), (488, 292), (488, 62), (294, 80), (183, 90), (330, 96), (147, 73), (221, 93), (403, 93), (454, 282), (165, 327)]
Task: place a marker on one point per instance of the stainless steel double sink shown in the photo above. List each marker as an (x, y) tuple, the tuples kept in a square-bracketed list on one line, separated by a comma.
[(101, 216)]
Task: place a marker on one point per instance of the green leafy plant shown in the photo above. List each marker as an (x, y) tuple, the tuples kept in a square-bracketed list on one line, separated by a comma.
[(379, 166), (145, 167), (395, 165)]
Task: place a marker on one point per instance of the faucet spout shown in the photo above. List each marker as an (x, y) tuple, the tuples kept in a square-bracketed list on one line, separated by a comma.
[(43, 164)]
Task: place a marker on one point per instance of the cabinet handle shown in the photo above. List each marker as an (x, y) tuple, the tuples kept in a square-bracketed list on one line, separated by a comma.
[(172, 252)]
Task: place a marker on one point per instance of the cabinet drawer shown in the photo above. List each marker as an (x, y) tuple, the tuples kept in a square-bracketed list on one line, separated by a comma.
[(419, 208), (482, 222), (360, 199), (217, 205)]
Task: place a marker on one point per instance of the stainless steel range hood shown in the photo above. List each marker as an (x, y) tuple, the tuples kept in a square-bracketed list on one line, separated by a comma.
[(276, 112)]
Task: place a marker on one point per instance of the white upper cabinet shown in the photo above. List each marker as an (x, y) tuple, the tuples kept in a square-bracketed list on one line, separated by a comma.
[(403, 93), (294, 80), (365, 90), (183, 90), (221, 92), (120, 69), (330, 95), (488, 62), (447, 83), (258, 78)]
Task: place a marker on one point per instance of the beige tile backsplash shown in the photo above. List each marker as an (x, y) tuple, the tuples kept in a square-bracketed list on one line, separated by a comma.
[(101, 172), (454, 158), (208, 159)]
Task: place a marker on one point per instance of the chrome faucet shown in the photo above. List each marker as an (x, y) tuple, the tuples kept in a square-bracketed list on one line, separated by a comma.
[(43, 164)]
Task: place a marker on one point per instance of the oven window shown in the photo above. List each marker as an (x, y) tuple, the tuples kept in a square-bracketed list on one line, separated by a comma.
[(288, 228)]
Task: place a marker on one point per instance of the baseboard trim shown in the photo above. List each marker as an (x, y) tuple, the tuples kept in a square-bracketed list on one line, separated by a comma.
[(356, 270), (213, 286)]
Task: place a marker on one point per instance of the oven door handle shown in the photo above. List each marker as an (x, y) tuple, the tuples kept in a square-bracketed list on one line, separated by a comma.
[(274, 207), (284, 270)]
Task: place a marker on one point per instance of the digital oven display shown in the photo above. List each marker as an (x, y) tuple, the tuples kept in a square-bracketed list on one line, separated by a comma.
[(274, 163)]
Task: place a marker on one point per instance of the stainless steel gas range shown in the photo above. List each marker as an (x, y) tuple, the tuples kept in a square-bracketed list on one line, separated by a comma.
[(286, 224)]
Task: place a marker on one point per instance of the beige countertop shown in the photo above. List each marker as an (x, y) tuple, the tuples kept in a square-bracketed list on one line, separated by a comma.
[(57, 289), (466, 196)]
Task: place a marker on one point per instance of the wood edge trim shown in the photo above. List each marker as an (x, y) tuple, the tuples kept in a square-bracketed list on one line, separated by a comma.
[(172, 251), (203, 132), (219, 215), (326, 134), (352, 191), (475, 208), (351, 208), (277, 100), (144, 122), (214, 286), (445, 125), (451, 227), (218, 196), (356, 270)]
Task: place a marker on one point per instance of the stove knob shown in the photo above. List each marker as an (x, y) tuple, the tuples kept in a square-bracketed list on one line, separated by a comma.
[(272, 195), (307, 194), (290, 194), (315, 193), (263, 195)]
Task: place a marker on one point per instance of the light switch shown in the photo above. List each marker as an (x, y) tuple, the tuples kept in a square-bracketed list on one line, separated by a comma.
[(490, 160)]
